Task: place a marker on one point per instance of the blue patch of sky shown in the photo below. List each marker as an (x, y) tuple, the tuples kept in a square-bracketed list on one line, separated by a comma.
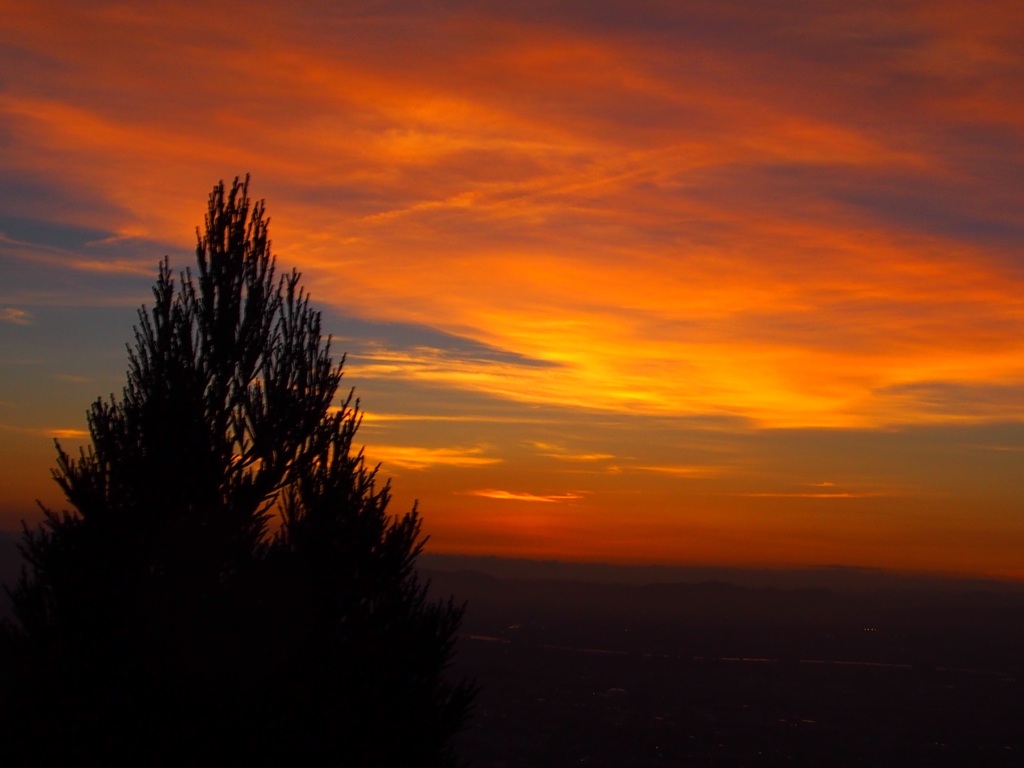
[(53, 278), (24, 284), (956, 397), (49, 233), (63, 359), (935, 209), (49, 197), (85, 240), (992, 156), (18, 59), (914, 203), (364, 337)]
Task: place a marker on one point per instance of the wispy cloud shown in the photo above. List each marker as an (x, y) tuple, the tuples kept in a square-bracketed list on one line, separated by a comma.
[(491, 493), (813, 495), (61, 433), (1002, 448), (67, 434), (371, 418), (415, 457), (678, 470), (15, 316), (645, 210), (561, 453)]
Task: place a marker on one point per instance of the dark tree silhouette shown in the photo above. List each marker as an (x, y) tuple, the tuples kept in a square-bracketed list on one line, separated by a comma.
[(227, 584)]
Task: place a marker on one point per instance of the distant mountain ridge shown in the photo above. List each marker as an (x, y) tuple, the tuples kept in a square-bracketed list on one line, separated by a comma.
[(470, 574), (920, 622), (832, 577)]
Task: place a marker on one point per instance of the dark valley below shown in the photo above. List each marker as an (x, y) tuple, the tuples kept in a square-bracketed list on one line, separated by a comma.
[(579, 668)]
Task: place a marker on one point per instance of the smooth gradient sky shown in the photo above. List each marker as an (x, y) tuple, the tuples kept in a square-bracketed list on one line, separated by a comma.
[(681, 282)]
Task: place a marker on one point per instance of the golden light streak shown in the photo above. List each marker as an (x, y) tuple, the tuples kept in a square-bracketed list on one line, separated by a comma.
[(60, 433), (376, 419), (418, 458), (552, 451), (678, 470), (68, 434), (500, 495)]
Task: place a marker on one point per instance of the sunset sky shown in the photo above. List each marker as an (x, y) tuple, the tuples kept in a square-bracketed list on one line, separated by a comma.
[(679, 282)]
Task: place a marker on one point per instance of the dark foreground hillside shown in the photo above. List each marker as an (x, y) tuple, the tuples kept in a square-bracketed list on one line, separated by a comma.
[(749, 669), (710, 674)]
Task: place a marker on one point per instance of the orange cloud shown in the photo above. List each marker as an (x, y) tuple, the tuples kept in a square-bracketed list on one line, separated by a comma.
[(491, 493), (803, 217), (68, 434), (415, 457), (680, 470), (15, 316), (552, 451), (61, 433)]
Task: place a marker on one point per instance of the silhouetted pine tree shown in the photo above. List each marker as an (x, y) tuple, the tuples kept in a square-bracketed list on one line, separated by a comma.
[(164, 618)]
